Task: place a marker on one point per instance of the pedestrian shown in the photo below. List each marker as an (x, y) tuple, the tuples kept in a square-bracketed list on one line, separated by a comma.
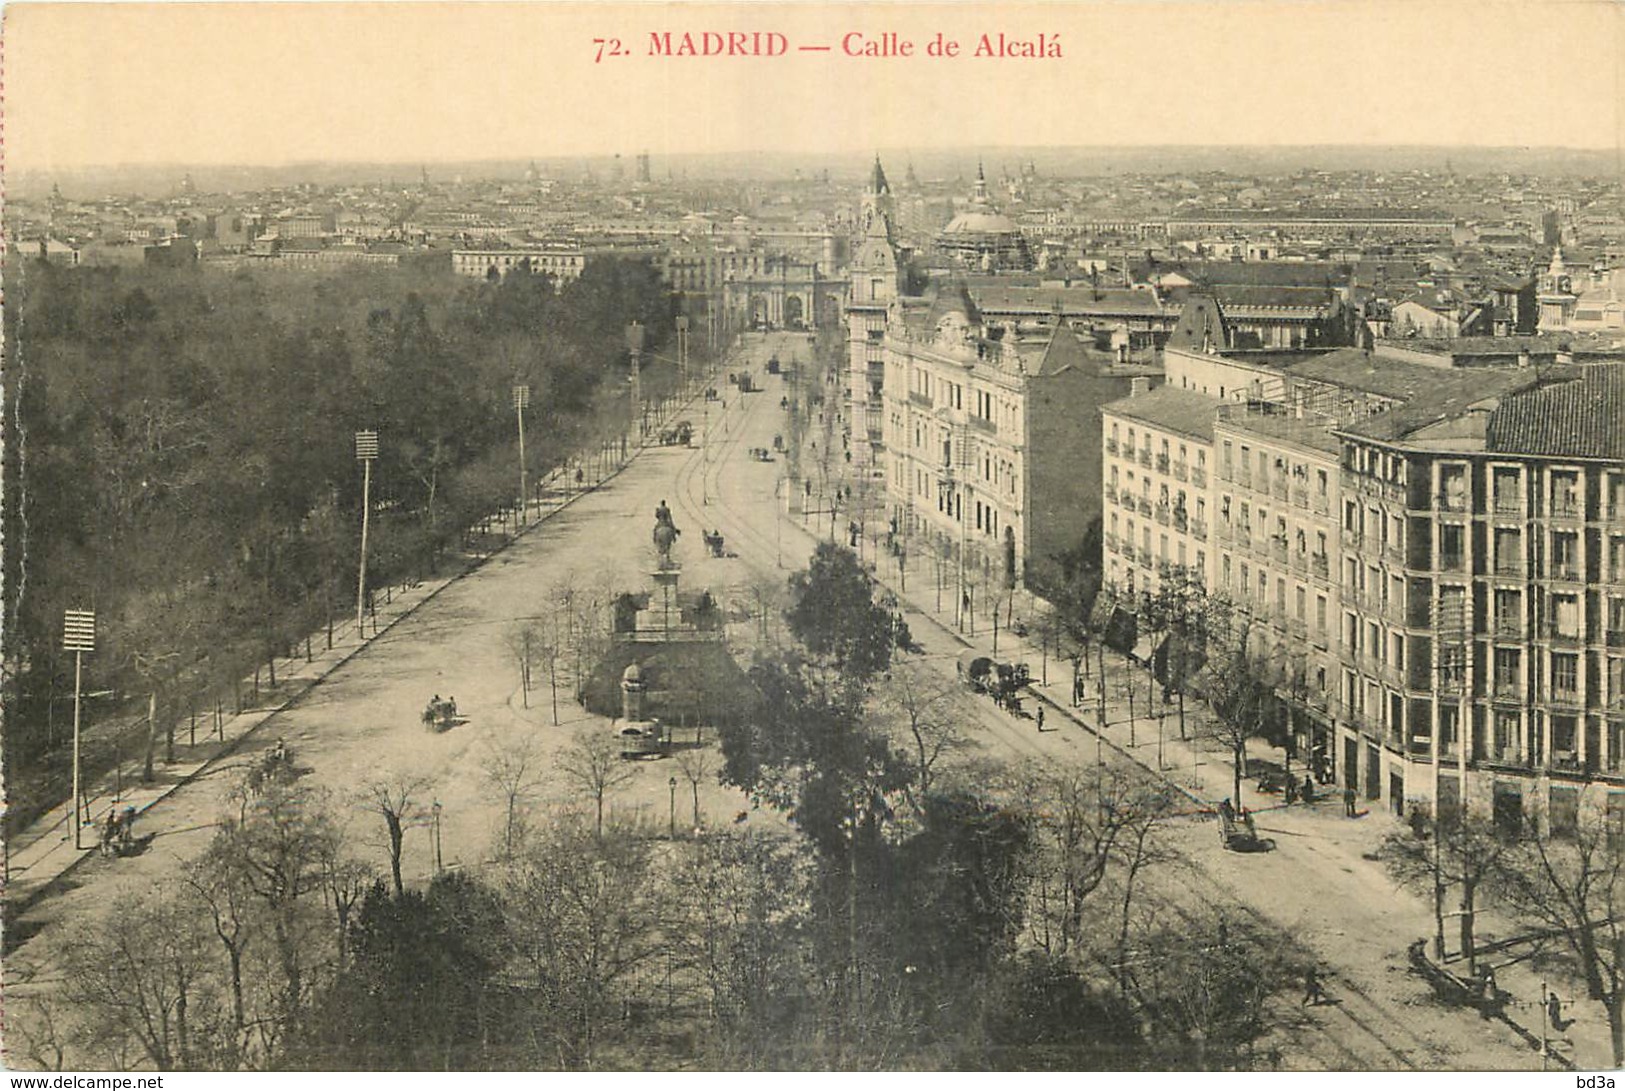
[(1313, 993), (1348, 802), (1077, 691), (1040, 717), (1554, 1013), (1308, 791)]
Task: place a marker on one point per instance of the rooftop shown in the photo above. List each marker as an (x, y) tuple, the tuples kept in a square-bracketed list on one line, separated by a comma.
[(1451, 398), (1580, 418), (1170, 408), (1313, 430)]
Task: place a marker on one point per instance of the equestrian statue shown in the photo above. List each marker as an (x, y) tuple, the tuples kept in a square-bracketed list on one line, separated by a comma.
[(665, 534)]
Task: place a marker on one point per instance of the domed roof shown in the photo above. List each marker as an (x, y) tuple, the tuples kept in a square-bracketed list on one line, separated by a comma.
[(981, 221)]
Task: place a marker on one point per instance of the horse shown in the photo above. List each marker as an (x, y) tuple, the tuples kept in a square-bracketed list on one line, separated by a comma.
[(665, 536)]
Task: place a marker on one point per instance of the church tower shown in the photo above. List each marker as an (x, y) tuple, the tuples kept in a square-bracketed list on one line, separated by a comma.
[(874, 285)]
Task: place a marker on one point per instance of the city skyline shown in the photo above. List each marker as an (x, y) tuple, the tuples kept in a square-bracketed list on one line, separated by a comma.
[(437, 83)]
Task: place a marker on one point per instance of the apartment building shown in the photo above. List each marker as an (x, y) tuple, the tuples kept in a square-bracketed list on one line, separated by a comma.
[(1158, 450), (1277, 550)]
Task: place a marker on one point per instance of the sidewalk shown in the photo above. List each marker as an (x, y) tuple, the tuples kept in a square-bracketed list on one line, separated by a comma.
[(44, 852)]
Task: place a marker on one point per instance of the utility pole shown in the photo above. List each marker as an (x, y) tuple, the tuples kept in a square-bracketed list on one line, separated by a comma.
[(634, 343), (366, 450), (521, 402), (78, 637)]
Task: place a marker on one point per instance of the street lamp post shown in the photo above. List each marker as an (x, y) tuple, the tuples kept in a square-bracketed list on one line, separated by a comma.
[(682, 353), (521, 402), (78, 637), (366, 449), (671, 820)]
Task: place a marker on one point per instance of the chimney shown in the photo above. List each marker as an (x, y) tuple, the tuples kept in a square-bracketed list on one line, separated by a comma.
[(1139, 384)]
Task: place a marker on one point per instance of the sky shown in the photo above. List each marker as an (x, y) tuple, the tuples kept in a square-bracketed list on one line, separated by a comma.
[(131, 83)]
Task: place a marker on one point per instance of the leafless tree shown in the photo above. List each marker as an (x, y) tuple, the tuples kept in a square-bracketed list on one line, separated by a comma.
[(397, 801), (277, 848), (593, 763), (696, 764), (1572, 884), (512, 770), (39, 1033), (585, 917), (523, 642), (1088, 819), (1464, 852), (925, 718), (142, 974)]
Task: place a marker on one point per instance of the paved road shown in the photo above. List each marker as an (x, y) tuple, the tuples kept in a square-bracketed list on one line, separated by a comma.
[(362, 725)]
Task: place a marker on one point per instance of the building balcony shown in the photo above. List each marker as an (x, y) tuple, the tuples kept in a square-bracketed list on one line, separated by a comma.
[(1506, 689), (1566, 696), (1227, 471), (1554, 635), (1447, 502), (1108, 542), (1300, 563), (1452, 562), (1321, 504), (1318, 564), (1181, 471), (1508, 628), (1199, 478), (1110, 493), (1278, 549), (1507, 505), (1244, 478), (1146, 507), (1394, 555), (1162, 464), (1128, 451), (1300, 497), (1111, 446), (1559, 570), (1513, 569), (1392, 676), (1162, 514), (1565, 507), (923, 400), (1143, 556), (1181, 520), (1145, 457), (1199, 529), (1279, 490), (982, 424)]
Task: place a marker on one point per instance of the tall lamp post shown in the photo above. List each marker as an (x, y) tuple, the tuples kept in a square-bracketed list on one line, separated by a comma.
[(366, 449), (521, 402), (634, 344), (78, 637)]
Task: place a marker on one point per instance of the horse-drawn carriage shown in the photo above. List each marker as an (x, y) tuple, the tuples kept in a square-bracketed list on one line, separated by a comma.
[(761, 454), (1237, 832), (441, 715), (714, 543), (1001, 681), (1480, 993), (678, 435)]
